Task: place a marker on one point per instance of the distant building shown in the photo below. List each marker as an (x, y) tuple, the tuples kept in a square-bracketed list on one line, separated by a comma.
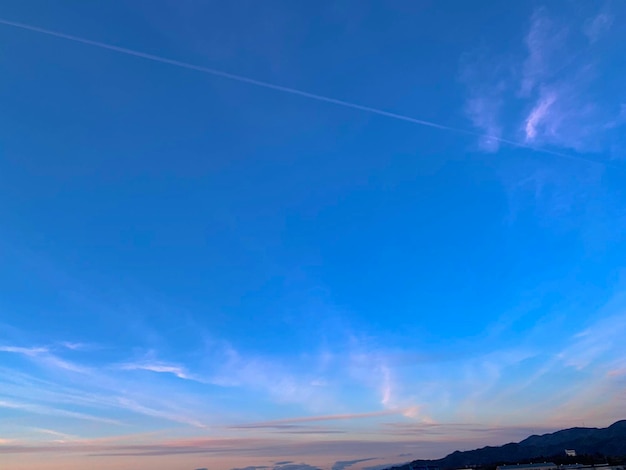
[(529, 466), (570, 452), (597, 466), (423, 467)]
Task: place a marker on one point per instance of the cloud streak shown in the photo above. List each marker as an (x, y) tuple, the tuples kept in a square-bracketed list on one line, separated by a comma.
[(315, 419), (160, 367), (25, 351)]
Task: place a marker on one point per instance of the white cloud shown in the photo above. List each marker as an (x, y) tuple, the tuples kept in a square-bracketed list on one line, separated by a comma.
[(25, 351), (44, 358), (538, 116), (159, 367), (566, 115), (74, 346), (54, 411)]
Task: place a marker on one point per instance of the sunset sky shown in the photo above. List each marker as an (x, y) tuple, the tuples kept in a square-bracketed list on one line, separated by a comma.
[(304, 234)]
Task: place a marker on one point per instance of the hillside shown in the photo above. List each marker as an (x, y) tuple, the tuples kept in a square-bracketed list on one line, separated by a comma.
[(609, 441)]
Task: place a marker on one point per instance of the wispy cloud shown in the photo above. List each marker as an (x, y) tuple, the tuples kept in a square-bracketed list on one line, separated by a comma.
[(260, 447), (45, 410), (545, 43), (538, 116), (601, 341), (598, 25), (75, 390), (483, 112), (559, 78), (551, 94), (59, 436), (313, 419), (44, 358), (283, 382), (77, 346), (159, 367), (486, 86), (620, 119), (158, 412), (26, 351)]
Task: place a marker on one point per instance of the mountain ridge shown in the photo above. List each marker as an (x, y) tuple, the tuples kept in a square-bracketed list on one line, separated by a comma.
[(609, 441)]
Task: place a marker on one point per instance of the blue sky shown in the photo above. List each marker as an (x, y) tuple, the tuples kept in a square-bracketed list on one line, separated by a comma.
[(395, 231)]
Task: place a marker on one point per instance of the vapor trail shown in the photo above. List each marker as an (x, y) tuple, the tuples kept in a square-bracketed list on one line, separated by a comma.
[(284, 89)]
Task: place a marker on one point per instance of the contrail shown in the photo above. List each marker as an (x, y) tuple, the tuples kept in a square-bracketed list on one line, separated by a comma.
[(292, 91)]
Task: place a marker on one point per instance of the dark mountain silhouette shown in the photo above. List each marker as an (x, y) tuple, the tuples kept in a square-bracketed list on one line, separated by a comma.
[(609, 441)]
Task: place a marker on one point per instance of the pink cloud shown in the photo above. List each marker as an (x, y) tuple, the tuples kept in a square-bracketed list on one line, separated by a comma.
[(616, 373), (336, 417)]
